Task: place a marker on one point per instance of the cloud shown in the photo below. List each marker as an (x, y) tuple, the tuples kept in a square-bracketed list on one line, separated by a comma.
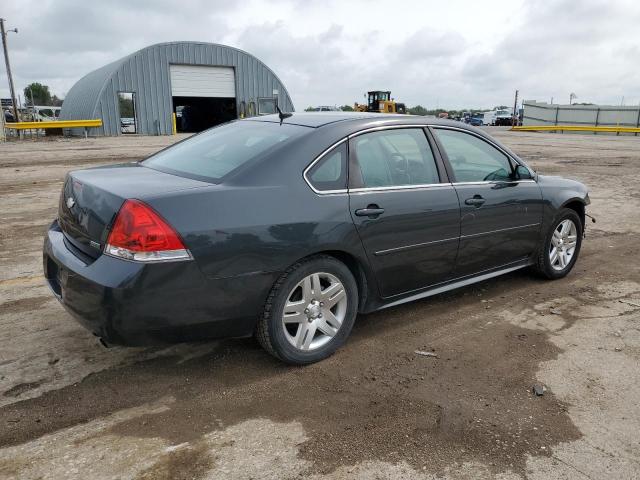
[(461, 54), (566, 46)]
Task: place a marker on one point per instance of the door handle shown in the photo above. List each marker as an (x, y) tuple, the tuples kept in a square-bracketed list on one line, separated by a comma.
[(372, 211), (476, 201)]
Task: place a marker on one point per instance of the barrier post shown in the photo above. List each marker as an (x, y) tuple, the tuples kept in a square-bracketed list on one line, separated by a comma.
[(174, 128), (2, 134)]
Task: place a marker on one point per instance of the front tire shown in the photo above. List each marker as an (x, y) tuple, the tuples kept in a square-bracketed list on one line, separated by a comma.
[(561, 246), (310, 311)]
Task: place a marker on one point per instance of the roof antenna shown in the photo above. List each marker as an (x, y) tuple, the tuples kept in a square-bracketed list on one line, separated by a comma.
[(283, 115)]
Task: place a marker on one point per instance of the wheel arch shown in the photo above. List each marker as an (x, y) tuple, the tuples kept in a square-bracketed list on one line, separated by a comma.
[(577, 205), (360, 271)]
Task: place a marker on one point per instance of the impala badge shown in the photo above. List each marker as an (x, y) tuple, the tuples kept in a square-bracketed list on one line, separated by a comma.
[(70, 202)]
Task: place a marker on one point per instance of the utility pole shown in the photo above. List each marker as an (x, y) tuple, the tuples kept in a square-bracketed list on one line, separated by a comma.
[(6, 61), (515, 110)]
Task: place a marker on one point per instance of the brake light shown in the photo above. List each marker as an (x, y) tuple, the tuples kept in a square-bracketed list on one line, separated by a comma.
[(141, 234)]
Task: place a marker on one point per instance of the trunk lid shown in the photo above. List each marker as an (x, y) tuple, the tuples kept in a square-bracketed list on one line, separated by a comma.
[(91, 198)]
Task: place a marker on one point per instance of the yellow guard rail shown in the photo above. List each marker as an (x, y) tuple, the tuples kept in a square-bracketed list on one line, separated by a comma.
[(56, 124), (576, 128)]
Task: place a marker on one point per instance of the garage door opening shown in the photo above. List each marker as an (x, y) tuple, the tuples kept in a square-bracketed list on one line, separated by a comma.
[(195, 114), (203, 96)]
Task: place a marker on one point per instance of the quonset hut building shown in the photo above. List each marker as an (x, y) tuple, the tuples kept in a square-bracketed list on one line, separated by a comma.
[(203, 84)]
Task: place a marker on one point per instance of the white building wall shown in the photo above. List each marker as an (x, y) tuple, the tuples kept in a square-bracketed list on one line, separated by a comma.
[(542, 113)]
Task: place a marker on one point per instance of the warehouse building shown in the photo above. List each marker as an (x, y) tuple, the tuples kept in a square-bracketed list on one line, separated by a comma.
[(196, 85)]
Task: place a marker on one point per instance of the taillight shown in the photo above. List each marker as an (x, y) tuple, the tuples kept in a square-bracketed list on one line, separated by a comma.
[(140, 234)]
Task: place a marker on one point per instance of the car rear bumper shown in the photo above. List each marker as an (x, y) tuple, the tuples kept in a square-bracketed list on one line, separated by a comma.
[(130, 303)]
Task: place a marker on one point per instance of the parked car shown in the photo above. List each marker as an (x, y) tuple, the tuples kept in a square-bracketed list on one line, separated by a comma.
[(477, 120), (325, 108), (287, 228)]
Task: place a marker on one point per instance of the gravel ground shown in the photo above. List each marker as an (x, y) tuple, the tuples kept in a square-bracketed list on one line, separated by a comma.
[(70, 409)]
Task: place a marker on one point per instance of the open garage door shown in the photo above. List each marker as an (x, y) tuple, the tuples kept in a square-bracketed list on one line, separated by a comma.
[(202, 96)]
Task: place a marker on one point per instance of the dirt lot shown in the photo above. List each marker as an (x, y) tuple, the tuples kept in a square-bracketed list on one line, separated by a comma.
[(71, 409)]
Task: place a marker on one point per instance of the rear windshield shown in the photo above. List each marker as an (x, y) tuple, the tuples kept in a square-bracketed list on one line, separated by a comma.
[(217, 152)]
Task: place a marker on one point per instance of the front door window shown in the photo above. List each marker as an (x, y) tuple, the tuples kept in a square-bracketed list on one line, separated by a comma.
[(473, 159)]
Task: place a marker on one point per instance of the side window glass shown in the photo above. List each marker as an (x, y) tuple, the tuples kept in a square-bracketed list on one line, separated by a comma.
[(396, 157), (473, 159), (330, 173)]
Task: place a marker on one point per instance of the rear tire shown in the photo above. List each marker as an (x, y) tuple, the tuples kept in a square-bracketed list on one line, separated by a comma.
[(560, 247), (309, 312)]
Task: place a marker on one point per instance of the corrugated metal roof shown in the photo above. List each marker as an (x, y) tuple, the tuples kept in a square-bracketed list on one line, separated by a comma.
[(146, 72)]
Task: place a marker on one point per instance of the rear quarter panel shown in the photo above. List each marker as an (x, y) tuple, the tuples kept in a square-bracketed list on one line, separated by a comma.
[(241, 230)]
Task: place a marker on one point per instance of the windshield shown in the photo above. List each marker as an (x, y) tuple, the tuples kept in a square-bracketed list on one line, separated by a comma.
[(219, 151)]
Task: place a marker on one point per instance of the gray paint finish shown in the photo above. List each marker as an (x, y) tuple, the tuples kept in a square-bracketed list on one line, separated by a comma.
[(146, 72)]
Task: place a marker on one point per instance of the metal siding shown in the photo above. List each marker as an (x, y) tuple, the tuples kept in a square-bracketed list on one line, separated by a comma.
[(156, 99), (146, 73)]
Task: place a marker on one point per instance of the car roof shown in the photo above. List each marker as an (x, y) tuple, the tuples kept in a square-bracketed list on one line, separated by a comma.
[(320, 119), (315, 119)]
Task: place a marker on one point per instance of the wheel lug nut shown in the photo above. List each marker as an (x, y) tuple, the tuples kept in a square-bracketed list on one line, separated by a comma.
[(322, 304), (319, 315), (306, 310)]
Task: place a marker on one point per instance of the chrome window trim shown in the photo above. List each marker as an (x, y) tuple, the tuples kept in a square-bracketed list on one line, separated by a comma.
[(344, 191), (395, 188), (386, 127), (493, 182), (340, 191)]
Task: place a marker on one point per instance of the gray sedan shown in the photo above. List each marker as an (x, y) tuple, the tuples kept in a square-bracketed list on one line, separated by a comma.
[(286, 227)]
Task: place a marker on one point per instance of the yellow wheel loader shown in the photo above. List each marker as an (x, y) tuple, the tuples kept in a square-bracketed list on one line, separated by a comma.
[(380, 102)]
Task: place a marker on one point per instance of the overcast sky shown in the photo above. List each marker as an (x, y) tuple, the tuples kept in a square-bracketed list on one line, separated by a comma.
[(446, 53)]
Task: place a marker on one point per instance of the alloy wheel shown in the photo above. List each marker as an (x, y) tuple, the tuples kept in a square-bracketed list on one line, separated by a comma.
[(563, 244), (314, 311)]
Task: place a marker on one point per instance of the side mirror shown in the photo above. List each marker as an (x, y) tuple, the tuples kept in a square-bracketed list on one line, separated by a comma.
[(523, 173)]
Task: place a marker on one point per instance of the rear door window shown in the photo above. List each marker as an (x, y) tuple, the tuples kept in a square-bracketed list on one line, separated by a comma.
[(213, 154), (395, 158), (330, 172)]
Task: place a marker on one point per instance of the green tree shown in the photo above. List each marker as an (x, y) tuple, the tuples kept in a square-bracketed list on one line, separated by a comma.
[(38, 92), (309, 109), (418, 110), (346, 108), (55, 101), (125, 102)]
